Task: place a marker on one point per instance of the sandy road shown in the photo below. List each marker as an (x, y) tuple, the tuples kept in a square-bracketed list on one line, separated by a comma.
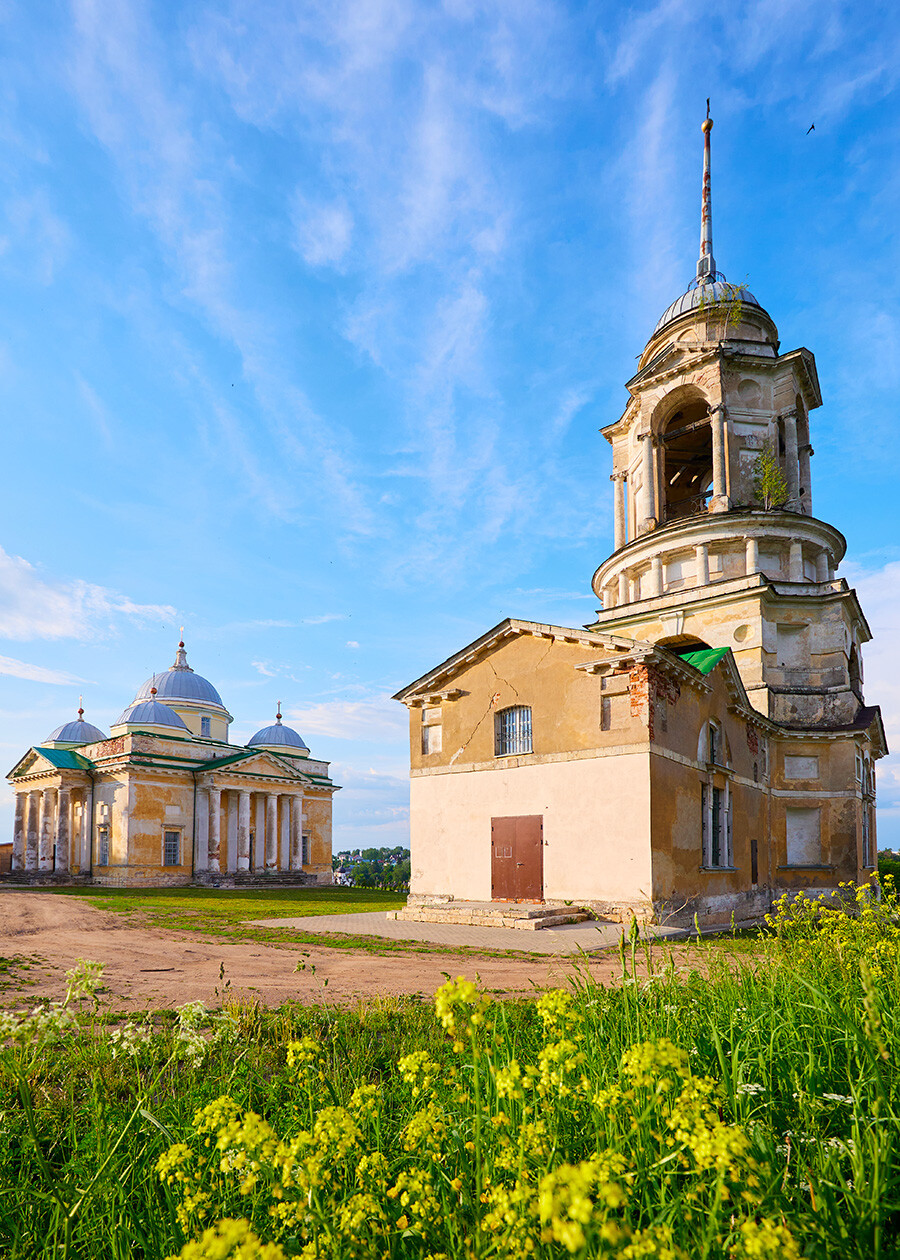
[(151, 968)]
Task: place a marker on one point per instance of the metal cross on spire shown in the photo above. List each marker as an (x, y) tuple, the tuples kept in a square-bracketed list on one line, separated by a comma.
[(706, 263)]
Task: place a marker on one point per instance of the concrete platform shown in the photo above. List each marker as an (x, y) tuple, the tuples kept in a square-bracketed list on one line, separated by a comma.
[(529, 917), (574, 938)]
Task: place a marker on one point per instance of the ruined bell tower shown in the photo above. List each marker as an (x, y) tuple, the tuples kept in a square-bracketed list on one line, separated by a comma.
[(716, 543)]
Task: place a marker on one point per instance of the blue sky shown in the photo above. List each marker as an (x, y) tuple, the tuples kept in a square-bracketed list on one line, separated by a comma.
[(311, 313)]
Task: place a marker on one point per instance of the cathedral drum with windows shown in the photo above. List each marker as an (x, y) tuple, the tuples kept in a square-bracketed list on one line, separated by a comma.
[(166, 799), (704, 745)]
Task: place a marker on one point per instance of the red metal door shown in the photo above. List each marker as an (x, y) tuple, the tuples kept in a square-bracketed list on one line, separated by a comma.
[(517, 858), (503, 859)]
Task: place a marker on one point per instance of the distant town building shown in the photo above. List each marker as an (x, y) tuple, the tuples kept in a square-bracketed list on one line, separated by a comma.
[(166, 799), (704, 744)]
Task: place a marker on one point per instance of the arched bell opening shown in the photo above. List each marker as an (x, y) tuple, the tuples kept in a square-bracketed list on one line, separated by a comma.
[(686, 441), (680, 644)]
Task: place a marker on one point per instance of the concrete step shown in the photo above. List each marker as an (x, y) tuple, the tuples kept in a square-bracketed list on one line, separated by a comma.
[(487, 914)]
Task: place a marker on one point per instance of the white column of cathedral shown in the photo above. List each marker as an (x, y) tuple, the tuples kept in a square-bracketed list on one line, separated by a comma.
[(296, 862), (795, 564), (18, 853), (648, 476), (271, 831), (61, 839), (215, 828), (32, 831), (701, 554), (791, 459), (243, 835), (45, 851)]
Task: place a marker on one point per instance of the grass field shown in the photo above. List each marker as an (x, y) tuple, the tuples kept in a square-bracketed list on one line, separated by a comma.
[(225, 913), (749, 1109)]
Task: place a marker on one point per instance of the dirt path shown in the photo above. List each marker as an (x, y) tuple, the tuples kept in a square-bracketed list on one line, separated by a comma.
[(151, 968)]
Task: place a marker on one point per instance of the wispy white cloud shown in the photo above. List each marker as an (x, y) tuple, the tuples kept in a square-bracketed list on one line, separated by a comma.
[(377, 720), (35, 607), (322, 231), (36, 673)]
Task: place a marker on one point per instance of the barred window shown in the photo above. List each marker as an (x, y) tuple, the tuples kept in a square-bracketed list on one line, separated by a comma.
[(171, 848), (512, 731), (103, 845), (715, 814), (304, 850)]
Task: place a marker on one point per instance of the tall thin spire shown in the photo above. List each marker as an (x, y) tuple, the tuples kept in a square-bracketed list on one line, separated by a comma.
[(706, 263)]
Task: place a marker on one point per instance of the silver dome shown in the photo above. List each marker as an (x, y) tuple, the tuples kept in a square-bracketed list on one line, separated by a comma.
[(179, 682), (277, 736), (76, 732), (719, 292), (151, 713)]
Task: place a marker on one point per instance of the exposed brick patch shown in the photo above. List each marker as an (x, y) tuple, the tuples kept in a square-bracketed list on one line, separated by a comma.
[(752, 739), (646, 686)]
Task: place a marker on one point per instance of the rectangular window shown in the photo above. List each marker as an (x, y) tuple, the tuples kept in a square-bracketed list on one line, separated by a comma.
[(715, 807), (304, 850), (713, 744), (512, 732), (103, 845), (205, 725), (866, 836), (171, 848), (431, 740), (803, 840)]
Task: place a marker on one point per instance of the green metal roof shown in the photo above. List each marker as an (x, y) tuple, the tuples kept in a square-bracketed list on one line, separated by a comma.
[(65, 758), (706, 659)]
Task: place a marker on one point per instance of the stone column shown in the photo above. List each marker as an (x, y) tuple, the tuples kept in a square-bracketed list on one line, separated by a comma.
[(86, 832), (19, 826), (702, 564), (45, 851), (215, 829), (243, 835), (32, 830), (623, 588), (201, 830), (823, 566), (619, 522), (296, 833), (271, 831), (648, 476), (720, 501), (791, 460), (795, 564), (61, 842), (752, 553), (656, 581)]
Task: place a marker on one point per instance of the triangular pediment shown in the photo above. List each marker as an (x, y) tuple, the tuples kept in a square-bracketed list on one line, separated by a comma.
[(48, 761), (260, 763)]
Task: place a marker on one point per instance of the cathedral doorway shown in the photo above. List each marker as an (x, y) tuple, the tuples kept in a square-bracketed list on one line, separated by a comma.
[(686, 441), (517, 858)]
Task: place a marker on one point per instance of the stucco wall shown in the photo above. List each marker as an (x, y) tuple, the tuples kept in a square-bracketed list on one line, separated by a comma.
[(596, 815)]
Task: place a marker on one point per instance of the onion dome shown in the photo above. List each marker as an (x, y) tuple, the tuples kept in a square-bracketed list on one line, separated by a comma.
[(279, 738), (180, 683), (152, 712), (77, 732)]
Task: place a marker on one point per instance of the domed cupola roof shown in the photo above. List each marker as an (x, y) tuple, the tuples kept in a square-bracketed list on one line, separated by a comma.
[(180, 683), (151, 712), (279, 738), (718, 292), (77, 732)]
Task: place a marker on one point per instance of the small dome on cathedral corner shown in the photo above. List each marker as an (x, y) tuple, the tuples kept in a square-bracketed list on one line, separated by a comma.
[(76, 732), (279, 738)]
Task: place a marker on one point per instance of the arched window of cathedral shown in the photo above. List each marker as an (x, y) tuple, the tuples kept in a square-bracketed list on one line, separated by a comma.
[(855, 672), (686, 442), (512, 731)]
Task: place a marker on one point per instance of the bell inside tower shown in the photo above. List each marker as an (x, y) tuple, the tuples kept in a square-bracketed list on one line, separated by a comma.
[(686, 440)]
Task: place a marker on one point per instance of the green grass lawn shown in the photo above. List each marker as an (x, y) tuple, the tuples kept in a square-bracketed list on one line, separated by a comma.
[(225, 913)]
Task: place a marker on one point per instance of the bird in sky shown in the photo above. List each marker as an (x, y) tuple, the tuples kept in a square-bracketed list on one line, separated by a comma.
[(812, 128)]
